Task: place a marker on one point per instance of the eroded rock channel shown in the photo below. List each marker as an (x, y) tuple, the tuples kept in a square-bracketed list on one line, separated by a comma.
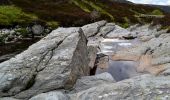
[(127, 64)]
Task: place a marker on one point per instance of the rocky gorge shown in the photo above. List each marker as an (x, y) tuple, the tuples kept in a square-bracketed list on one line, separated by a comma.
[(98, 61)]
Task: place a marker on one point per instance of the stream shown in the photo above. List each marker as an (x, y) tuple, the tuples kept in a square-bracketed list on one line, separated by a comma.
[(120, 70)]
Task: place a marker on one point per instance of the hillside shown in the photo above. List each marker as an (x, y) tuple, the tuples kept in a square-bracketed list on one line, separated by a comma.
[(79, 12), (165, 8)]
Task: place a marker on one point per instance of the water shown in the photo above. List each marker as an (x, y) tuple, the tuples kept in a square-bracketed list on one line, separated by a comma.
[(120, 70), (110, 46)]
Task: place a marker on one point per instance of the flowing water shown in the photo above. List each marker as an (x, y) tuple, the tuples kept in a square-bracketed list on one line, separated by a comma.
[(120, 70)]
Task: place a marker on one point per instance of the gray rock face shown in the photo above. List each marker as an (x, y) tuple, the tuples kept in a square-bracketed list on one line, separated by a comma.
[(8, 98), (106, 29), (92, 29), (57, 67), (55, 62), (144, 87), (87, 82), (118, 32), (93, 45), (37, 29), (55, 95)]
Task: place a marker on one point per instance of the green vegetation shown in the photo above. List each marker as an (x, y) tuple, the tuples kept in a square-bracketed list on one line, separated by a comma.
[(82, 5), (52, 24), (23, 31), (2, 38), (125, 25), (11, 14), (77, 12), (98, 8), (157, 12)]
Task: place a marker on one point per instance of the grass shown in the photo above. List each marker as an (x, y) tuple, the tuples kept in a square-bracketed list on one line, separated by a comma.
[(82, 5), (52, 24), (157, 12), (10, 15), (77, 12), (98, 8)]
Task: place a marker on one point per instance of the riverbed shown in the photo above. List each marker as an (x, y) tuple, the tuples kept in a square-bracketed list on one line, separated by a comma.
[(122, 69)]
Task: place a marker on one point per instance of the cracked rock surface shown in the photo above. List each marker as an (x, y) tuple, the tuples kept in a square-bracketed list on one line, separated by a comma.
[(58, 66), (55, 62)]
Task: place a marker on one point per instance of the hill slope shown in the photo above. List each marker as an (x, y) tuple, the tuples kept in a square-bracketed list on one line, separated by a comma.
[(79, 12), (165, 8)]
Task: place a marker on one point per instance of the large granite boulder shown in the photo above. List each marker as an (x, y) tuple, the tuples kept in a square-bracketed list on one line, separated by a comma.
[(87, 82), (106, 29), (8, 98), (145, 87), (54, 95), (55, 62), (93, 49), (118, 32), (91, 30)]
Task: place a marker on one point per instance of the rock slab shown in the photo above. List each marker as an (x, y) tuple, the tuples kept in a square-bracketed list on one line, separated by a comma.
[(55, 62)]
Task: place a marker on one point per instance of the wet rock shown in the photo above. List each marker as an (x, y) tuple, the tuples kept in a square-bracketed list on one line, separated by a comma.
[(55, 62), (92, 29), (143, 87), (54, 95), (87, 82)]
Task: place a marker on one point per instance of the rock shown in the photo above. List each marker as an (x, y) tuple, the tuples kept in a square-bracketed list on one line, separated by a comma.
[(8, 98), (106, 29), (87, 82), (146, 38), (92, 29), (93, 45), (7, 57), (146, 65), (55, 62), (161, 60), (37, 29), (142, 30), (145, 62), (167, 71), (118, 32), (103, 62), (145, 87), (54, 95)]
